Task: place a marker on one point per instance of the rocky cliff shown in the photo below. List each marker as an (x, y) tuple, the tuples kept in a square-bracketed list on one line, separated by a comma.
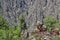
[(33, 10)]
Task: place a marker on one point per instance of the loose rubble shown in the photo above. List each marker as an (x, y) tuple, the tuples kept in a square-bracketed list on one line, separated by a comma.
[(41, 33)]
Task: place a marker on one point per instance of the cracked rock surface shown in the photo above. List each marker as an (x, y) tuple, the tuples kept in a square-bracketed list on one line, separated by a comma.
[(33, 10)]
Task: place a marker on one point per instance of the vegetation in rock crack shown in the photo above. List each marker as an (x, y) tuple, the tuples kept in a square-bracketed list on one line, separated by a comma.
[(20, 31), (7, 33)]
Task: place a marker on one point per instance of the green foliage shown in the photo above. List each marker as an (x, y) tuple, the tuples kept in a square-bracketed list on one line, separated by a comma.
[(3, 23), (2, 34), (15, 34), (58, 24), (16, 31), (56, 38), (50, 22), (22, 21), (7, 33)]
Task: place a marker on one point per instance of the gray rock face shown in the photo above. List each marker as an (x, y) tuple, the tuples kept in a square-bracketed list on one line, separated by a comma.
[(33, 10)]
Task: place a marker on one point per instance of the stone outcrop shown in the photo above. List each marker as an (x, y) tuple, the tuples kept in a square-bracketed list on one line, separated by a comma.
[(32, 10)]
